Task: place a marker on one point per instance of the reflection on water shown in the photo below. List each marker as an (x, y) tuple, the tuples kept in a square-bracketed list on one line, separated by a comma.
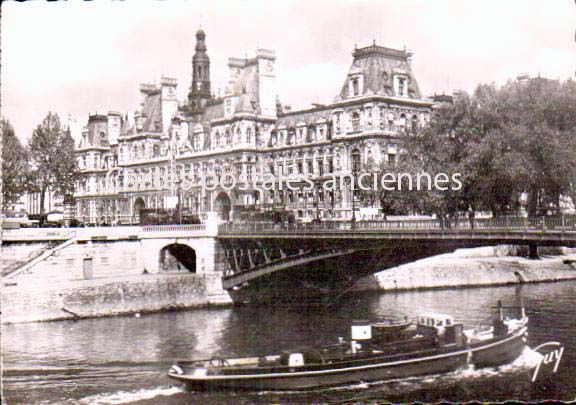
[(124, 359)]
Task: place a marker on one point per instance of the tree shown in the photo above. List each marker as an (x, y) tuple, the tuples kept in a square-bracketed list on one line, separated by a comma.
[(52, 155), (507, 142), (15, 167)]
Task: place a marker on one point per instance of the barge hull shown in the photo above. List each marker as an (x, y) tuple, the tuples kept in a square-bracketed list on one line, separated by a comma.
[(490, 354)]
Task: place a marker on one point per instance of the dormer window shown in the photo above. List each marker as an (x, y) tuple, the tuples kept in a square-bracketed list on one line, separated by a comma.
[(355, 83), (401, 85), (228, 107)]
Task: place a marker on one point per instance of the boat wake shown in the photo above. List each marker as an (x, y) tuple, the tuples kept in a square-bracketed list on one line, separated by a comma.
[(526, 361), (127, 397)]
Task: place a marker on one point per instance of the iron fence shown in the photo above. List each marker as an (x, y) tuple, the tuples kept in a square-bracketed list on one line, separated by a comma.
[(542, 224)]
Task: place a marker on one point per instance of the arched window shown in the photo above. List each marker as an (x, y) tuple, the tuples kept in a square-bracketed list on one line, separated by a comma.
[(217, 139), (356, 161), (355, 87), (403, 121), (249, 135), (414, 123), (355, 122)]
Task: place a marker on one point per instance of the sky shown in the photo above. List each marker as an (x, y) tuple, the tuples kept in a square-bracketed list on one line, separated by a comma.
[(77, 58)]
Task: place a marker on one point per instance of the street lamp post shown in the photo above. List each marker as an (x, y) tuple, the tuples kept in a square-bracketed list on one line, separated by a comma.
[(353, 218), (318, 202), (178, 201)]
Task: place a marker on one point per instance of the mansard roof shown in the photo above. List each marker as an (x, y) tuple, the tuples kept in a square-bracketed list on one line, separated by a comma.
[(126, 128), (152, 113), (92, 134), (378, 65), (309, 117), (246, 86), (214, 109)]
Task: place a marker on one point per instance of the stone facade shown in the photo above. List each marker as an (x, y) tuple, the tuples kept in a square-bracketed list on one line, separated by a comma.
[(165, 148)]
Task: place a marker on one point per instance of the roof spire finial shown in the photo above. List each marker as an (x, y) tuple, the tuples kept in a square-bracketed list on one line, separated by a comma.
[(374, 41)]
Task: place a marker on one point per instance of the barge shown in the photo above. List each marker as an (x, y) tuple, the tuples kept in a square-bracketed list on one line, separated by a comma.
[(434, 344)]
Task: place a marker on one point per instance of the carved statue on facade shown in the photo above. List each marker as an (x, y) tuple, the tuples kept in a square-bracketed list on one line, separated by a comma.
[(369, 157), (338, 162)]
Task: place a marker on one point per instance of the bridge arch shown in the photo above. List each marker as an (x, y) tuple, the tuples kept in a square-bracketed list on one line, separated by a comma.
[(177, 257)]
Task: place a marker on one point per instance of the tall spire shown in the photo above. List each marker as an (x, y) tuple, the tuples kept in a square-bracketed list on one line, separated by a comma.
[(200, 88)]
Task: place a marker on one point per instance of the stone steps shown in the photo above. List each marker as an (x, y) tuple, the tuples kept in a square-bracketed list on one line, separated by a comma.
[(39, 258), (14, 256)]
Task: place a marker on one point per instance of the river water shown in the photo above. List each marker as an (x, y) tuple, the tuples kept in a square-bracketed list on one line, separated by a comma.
[(124, 359)]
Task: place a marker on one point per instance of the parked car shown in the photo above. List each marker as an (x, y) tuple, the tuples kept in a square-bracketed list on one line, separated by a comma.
[(75, 223)]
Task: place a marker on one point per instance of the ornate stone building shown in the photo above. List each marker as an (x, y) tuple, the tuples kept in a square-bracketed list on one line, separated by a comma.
[(162, 152)]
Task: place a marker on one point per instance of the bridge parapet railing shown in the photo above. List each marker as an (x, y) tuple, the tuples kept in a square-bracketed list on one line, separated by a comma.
[(174, 228), (540, 224)]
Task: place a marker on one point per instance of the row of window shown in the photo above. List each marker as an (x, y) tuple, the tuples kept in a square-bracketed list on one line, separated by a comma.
[(387, 121)]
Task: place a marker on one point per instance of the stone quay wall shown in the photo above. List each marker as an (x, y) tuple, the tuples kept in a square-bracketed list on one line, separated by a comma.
[(473, 268), (123, 277), (105, 297)]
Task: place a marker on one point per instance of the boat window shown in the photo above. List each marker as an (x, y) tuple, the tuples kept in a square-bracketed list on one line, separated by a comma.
[(448, 322), (296, 359), (438, 322)]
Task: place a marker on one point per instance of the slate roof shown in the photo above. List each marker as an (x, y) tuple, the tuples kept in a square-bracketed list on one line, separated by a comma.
[(126, 129), (97, 124), (377, 65), (152, 113), (310, 117), (246, 86), (214, 109)]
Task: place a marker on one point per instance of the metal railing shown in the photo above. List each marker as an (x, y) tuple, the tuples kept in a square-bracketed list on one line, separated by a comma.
[(174, 228), (445, 226)]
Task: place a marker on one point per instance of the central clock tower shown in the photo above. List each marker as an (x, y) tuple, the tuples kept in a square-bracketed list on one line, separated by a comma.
[(200, 88)]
